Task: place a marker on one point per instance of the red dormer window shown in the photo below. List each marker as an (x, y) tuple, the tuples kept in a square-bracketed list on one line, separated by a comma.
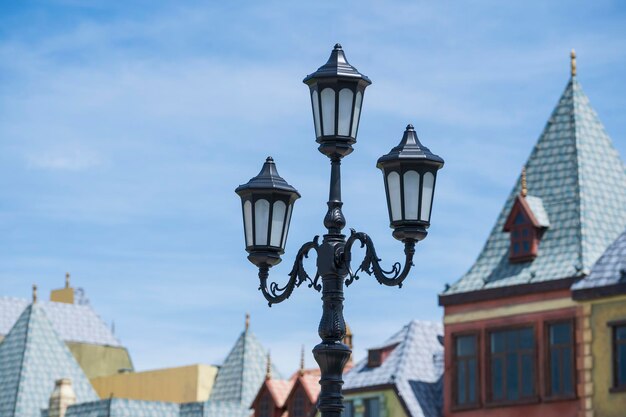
[(525, 228), (376, 357)]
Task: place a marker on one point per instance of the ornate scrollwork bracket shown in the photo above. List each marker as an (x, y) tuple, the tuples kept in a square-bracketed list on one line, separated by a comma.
[(275, 294), (371, 262)]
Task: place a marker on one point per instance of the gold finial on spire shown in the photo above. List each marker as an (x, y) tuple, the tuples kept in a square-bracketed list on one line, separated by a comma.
[(524, 191), (247, 321), (301, 371), (268, 369), (34, 293), (573, 62), (67, 280)]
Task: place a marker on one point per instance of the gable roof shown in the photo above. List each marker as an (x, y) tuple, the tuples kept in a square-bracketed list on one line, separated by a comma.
[(608, 275), (73, 322), (414, 367), (32, 358), (243, 371), (577, 173), (532, 207)]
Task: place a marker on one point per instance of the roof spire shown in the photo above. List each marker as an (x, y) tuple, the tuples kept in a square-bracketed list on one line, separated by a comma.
[(301, 371), (524, 191), (67, 280), (34, 293), (268, 369), (247, 322), (573, 62)]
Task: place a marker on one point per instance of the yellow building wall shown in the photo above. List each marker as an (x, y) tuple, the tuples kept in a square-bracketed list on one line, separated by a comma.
[(180, 385), (99, 360), (391, 403), (603, 311)]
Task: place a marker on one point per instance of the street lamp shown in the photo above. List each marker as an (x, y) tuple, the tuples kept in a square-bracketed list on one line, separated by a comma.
[(409, 172)]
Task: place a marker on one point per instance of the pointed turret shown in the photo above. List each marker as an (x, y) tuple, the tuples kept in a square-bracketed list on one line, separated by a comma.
[(577, 174), (243, 371), (32, 358)]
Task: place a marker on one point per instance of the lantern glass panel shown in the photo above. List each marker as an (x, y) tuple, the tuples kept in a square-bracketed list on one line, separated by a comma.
[(357, 112), (247, 219), (393, 184), (328, 111), (261, 221), (286, 230), (316, 112), (411, 194), (427, 195), (278, 217), (346, 97)]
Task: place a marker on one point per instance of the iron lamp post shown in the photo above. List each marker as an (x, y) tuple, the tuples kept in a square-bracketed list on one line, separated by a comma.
[(409, 172)]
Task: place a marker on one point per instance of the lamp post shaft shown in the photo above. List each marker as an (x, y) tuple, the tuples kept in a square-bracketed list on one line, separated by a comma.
[(331, 354)]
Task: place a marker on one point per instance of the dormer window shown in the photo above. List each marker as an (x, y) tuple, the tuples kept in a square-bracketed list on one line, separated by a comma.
[(526, 224), (376, 357)]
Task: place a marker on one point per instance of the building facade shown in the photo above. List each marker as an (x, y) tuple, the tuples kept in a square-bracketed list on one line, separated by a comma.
[(402, 377), (516, 342), (603, 298)]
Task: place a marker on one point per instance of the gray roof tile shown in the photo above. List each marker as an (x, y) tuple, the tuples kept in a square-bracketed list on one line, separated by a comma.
[(579, 177), (415, 367), (32, 358), (610, 268), (73, 322)]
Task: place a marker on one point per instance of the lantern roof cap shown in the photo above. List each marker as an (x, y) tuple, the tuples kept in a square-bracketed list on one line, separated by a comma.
[(268, 178), (410, 148), (336, 66)]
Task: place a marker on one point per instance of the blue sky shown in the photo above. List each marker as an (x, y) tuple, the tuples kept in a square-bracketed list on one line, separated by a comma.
[(125, 127)]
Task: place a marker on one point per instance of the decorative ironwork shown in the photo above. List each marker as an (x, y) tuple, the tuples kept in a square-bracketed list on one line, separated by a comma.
[(275, 294), (371, 261)]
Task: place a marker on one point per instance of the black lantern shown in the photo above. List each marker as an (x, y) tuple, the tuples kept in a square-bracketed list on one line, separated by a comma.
[(410, 171), (267, 201), (337, 90)]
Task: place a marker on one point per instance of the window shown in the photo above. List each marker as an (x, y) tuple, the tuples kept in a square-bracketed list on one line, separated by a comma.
[(560, 359), (298, 405), (466, 370), (372, 407), (619, 356), (512, 365), (374, 357), (348, 410)]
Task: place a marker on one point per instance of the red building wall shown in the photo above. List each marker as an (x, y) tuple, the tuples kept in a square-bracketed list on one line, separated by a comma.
[(542, 406)]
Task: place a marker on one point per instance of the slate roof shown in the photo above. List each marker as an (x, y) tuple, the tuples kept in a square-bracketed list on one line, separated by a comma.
[(577, 173), (609, 271), (243, 371), (539, 211), (119, 407), (414, 367), (73, 322), (32, 358)]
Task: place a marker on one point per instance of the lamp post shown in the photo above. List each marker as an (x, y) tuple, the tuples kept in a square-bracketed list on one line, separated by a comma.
[(409, 172)]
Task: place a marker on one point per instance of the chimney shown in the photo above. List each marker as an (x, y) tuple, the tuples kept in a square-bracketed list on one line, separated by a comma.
[(62, 397), (63, 295)]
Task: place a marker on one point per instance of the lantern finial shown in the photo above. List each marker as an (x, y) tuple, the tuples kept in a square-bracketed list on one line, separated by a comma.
[(268, 369), (573, 62), (34, 293), (337, 46), (247, 322)]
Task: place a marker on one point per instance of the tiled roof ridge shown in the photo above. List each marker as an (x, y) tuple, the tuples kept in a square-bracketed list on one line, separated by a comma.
[(573, 82), (244, 334), (29, 309), (403, 345)]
